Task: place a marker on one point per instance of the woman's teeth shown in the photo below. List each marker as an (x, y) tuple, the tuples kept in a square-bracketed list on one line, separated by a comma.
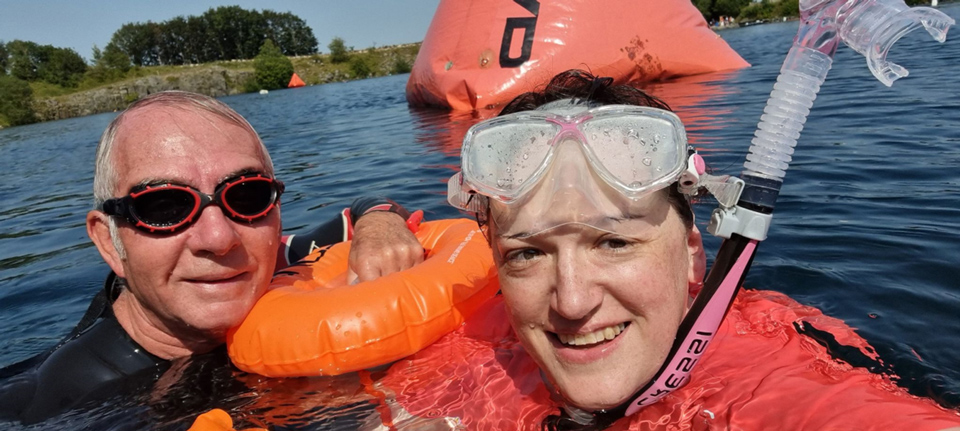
[(595, 337)]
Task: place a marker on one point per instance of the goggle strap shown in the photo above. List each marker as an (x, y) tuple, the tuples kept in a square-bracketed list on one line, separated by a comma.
[(466, 200), (725, 188)]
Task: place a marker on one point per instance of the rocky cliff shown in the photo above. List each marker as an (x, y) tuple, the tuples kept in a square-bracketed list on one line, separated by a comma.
[(214, 81)]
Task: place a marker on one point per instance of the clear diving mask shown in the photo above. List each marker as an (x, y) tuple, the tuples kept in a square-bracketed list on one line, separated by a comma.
[(572, 164)]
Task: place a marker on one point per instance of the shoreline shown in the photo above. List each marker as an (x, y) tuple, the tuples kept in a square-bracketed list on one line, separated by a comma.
[(216, 79)]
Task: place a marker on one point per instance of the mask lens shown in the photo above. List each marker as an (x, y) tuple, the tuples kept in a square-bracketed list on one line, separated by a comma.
[(504, 158), (249, 197), (637, 156), (164, 206)]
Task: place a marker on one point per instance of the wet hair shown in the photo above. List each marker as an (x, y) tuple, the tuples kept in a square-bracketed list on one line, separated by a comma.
[(584, 88)]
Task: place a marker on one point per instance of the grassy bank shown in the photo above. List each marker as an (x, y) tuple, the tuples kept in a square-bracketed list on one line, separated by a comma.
[(97, 94)]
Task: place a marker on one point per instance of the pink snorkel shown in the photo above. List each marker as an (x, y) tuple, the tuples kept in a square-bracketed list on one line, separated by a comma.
[(870, 27)]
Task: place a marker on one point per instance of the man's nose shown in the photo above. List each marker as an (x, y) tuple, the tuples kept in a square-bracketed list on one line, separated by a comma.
[(576, 296), (213, 232)]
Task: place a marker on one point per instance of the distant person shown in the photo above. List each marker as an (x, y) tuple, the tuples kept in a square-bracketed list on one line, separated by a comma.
[(188, 218)]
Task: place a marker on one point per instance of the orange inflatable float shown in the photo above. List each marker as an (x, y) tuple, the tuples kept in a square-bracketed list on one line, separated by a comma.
[(312, 322), (480, 54)]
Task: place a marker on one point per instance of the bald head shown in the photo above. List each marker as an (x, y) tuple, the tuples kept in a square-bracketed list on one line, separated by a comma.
[(137, 114)]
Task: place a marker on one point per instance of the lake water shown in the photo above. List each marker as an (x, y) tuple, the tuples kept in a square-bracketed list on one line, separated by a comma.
[(867, 226)]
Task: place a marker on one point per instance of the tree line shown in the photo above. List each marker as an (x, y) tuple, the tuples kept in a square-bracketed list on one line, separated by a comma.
[(742, 10), (222, 33)]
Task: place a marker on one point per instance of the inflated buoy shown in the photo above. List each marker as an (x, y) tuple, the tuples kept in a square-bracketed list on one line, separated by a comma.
[(295, 82), (312, 323), (481, 53)]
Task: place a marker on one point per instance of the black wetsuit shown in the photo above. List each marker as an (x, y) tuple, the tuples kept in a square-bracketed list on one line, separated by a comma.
[(98, 359)]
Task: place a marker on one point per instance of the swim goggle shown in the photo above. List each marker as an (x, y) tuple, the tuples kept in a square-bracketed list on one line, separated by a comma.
[(166, 208), (635, 150)]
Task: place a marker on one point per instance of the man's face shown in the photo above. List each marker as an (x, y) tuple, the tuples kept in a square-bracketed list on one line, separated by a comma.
[(202, 280)]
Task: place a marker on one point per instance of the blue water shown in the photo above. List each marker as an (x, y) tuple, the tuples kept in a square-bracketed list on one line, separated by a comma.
[(866, 227)]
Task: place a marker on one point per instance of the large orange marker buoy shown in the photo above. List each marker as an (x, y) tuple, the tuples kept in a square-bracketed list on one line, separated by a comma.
[(295, 82), (482, 53)]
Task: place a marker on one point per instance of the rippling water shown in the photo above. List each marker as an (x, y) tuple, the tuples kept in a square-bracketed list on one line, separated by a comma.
[(866, 227)]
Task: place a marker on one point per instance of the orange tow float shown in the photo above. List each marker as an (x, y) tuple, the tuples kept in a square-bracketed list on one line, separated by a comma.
[(312, 322)]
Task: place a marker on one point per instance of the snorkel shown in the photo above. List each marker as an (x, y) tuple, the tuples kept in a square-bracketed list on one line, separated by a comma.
[(870, 27)]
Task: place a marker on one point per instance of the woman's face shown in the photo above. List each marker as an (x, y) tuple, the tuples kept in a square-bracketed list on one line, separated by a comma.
[(598, 309)]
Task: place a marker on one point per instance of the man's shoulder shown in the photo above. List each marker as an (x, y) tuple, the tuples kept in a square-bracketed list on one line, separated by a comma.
[(95, 359)]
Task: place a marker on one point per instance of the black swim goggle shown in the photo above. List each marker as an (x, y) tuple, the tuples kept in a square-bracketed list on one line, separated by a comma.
[(167, 207)]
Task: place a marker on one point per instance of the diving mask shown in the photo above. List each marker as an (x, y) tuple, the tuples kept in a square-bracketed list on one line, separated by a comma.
[(573, 164)]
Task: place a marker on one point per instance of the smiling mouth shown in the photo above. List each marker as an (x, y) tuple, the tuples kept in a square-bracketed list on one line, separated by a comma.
[(596, 337), (215, 280)]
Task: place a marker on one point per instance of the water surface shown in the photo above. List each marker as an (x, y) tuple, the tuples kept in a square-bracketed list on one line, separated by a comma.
[(866, 227)]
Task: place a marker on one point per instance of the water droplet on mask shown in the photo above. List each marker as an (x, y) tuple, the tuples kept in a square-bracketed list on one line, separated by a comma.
[(520, 181), (359, 314), (525, 156), (606, 133), (626, 141), (501, 182), (656, 138), (593, 136), (532, 326), (646, 161), (636, 185), (643, 142)]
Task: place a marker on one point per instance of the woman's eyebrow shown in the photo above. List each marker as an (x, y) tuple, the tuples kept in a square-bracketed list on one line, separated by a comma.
[(518, 235)]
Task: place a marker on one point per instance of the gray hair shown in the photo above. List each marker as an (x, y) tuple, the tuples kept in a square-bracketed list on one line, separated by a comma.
[(105, 173)]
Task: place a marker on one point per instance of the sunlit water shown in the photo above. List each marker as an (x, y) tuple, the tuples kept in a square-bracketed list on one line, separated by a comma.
[(866, 227)]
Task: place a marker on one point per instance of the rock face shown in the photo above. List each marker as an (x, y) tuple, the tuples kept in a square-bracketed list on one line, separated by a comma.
[(213, 81)]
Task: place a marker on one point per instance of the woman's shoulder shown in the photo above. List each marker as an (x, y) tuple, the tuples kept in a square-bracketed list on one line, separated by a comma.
[(770, 368)]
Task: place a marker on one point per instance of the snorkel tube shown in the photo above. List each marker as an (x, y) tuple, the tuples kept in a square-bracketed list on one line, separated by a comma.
[(870, 27)]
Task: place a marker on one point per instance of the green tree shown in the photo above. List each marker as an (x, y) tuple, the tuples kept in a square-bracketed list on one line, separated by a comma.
[(728, 8), (109, 65), (139, 42), (16, 100), (239, 32), (788, 8), (338, 51), (271, 68), (172, 41), (61, 66), (291, 33), (3, 58), (363, 66), (401, 66), (24, 59), (32, 62), (196, 41)]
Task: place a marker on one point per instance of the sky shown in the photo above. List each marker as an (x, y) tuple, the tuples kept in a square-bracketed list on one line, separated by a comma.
[(81, 24)]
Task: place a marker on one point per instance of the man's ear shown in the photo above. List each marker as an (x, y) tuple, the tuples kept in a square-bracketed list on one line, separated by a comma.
[(98, 229), (698, 259)]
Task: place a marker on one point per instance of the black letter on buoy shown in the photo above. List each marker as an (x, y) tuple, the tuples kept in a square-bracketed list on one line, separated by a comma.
[(529, 25)]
